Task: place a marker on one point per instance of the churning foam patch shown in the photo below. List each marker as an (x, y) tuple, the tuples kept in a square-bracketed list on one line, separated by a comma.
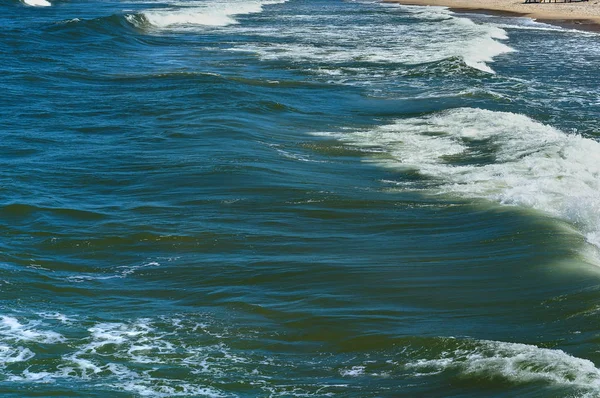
[(514, 362), (10, 354), (123, 356), (504, 157), (37, 3), (11, 329), (220, 13), (97, 353)]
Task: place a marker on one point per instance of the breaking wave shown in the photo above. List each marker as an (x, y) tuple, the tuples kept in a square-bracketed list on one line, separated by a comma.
[(391, 42), (503, 157), (202, 14)]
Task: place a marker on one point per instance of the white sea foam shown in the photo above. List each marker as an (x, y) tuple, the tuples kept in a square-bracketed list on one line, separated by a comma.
[(534, 165), (10, 354), (13, 330), (518, 363), (37, 3), (384, 42), (201, 13), (118, 351)]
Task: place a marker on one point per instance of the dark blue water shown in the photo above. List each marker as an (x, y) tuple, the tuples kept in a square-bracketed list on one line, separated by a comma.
[(306, 198)]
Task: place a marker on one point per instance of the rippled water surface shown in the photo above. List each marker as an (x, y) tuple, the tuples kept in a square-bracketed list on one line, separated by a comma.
[(277, 198)]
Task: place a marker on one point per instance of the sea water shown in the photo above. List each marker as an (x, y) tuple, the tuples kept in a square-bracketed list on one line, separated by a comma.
[(277, 198)]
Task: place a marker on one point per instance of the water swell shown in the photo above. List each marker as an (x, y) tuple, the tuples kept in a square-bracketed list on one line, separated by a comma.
[(212, 77), (78, 29)]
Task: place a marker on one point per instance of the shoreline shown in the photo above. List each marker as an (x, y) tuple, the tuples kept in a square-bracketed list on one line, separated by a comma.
[(576, 15)]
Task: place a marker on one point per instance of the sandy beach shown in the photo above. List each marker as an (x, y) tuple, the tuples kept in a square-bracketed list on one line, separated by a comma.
[(582, 15)]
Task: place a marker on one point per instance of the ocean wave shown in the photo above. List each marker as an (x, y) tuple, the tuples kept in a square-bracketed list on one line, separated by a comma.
[(503, 157), (199, 14), (391, 43)]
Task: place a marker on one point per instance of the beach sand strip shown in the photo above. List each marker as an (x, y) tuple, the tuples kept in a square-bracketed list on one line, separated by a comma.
[(583, 15)]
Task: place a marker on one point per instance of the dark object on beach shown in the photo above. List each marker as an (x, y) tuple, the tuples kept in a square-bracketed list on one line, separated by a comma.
[(555, 1)]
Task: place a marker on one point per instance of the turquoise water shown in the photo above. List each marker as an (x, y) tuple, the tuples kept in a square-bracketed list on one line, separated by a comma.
[(296, 198)]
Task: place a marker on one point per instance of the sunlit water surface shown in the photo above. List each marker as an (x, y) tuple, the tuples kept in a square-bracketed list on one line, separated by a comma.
[(234, 198)]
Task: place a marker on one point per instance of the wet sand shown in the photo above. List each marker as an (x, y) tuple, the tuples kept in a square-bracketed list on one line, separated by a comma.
[(579, 15)]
